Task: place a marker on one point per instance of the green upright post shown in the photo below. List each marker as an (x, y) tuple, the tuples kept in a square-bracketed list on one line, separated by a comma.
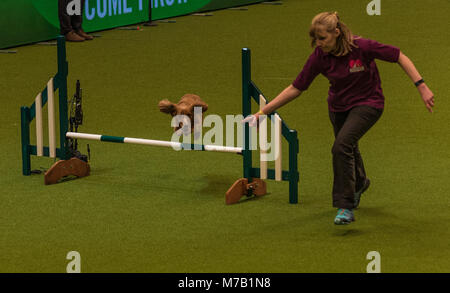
[(293, 168), (246, 110), (62, 85), (25, 133)]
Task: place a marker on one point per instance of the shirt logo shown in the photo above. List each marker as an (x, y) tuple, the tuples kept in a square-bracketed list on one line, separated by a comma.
[(356, 66)]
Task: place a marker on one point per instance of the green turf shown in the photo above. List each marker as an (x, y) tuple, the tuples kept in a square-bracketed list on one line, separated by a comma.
[(147, 209)]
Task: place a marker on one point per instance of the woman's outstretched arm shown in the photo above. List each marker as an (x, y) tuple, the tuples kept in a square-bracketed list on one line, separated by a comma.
[(287, 95), (414, 75)]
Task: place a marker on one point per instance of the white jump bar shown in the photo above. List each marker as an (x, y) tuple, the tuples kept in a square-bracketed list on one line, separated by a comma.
[(151, 142)]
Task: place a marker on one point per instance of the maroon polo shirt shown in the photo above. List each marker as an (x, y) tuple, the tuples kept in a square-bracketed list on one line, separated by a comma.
[(354, 78)]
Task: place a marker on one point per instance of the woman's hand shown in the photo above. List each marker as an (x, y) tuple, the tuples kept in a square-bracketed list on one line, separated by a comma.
[(410, 69), (287, 95), (252, 120), (427, 96)]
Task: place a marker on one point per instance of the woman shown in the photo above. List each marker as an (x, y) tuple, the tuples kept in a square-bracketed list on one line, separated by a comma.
[(355, 99)]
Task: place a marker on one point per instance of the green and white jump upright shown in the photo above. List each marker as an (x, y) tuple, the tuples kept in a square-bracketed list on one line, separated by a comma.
[(59, 82), (27, 114), (249, 91)]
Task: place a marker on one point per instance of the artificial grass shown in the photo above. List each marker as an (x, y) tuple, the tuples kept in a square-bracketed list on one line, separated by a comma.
[(149, 209)]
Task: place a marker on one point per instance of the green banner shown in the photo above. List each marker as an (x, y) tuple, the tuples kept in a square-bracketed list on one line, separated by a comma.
[(169, 8), (221, 4), (99, 14), (21, 23), (29, 21)]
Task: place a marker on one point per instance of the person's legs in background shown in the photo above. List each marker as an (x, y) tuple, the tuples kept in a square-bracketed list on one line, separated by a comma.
[(77, 21), (70, 25)]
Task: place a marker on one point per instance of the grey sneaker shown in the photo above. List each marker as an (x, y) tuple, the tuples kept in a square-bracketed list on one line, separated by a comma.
[(360, 192)]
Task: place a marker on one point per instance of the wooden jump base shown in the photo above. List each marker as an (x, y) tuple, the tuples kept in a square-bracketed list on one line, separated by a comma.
[(250, 184)]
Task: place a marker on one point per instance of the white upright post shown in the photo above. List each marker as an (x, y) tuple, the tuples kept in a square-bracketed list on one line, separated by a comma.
[(262, 142), (278, 149), (39, 131), (51, 120)]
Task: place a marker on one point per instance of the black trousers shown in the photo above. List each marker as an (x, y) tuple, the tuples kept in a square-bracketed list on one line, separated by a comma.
[(348, 166), (69, 22)]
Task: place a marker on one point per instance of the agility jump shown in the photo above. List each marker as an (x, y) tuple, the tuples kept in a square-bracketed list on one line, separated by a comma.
[(151, 142), (251, 184)]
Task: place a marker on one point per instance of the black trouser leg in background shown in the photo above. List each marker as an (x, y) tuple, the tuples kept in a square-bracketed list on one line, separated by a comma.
[(68, 22)]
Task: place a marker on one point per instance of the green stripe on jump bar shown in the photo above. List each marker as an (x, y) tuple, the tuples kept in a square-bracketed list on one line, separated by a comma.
[(116, 139), (191, 146)]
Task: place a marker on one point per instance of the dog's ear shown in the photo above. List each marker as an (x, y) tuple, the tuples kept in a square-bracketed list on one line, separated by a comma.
[(200, 104), (166, 106)]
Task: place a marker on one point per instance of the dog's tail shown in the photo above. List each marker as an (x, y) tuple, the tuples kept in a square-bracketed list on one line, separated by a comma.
[(166, 106)]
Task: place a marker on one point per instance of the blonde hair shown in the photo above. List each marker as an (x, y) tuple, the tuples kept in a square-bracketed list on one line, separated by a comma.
[(331, 21)]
